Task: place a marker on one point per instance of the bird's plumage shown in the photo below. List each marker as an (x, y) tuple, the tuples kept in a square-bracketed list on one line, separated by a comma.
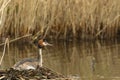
[(30, 63)]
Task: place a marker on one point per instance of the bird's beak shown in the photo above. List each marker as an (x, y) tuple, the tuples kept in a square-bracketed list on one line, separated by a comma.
[(47, 44)]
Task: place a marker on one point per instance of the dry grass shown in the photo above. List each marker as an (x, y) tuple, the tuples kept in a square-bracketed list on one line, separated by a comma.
[(61, 19)]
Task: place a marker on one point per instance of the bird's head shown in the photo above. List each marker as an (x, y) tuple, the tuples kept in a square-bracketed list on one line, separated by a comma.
[(42, 43)]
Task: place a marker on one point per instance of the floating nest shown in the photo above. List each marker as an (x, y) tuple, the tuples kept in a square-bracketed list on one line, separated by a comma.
[(38, 74)]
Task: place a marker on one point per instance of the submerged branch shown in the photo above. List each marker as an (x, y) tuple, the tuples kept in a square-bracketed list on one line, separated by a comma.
[(17, 39)]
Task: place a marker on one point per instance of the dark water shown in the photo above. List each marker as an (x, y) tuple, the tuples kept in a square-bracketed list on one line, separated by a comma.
[(93, 60)]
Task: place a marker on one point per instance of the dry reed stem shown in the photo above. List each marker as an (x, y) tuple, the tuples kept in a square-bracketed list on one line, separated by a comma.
[(4, 5), (62, 19), (107, 24), (6, 43), (2, 77)]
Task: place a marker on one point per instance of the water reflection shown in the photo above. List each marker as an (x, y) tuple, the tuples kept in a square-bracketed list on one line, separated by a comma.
[(87, 60)]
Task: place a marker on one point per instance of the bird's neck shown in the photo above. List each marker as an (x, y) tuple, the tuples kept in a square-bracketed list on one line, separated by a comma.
[(40, 57)]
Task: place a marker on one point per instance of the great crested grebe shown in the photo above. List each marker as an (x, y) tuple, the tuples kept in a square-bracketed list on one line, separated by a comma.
[(29, 63)]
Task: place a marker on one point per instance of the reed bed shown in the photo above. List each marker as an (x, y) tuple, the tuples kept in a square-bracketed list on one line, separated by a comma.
[(61, 19)]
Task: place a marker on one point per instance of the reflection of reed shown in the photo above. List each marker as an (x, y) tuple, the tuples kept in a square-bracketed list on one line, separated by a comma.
[(104, 55), (88, 59)]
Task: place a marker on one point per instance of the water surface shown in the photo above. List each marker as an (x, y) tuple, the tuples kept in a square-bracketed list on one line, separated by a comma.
[(88, 60)]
